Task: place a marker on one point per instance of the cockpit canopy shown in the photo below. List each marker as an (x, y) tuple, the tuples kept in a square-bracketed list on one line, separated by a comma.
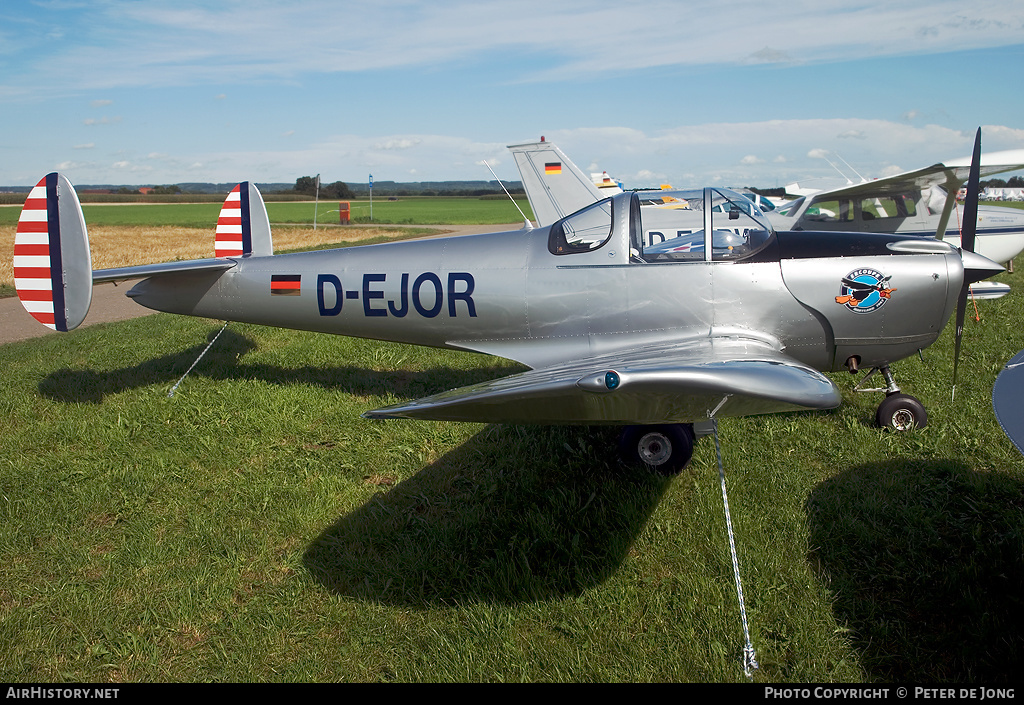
[(669, 226)]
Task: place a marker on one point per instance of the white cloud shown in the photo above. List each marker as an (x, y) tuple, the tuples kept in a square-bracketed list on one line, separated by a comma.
[(397, 143), (102, 121), (684, 155), (697, 154), (126, 43)]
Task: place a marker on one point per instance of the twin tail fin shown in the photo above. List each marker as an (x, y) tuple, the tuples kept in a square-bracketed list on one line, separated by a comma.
[(53, 272)]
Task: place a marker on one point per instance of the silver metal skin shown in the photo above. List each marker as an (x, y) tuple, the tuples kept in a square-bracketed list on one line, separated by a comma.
[(617, 331)]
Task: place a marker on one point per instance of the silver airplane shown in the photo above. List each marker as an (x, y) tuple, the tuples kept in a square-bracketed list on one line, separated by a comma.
[(614, 331)]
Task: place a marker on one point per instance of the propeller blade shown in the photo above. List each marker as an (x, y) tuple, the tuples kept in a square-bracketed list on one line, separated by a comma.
[(970, 223), (967, 237), (961, 309)]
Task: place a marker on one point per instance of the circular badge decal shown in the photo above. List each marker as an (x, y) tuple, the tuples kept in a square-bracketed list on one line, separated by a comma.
[(864, 290)]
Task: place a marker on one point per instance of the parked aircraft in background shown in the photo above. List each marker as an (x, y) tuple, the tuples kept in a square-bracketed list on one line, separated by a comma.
[(916, 202), (615, 331), (912, 203)]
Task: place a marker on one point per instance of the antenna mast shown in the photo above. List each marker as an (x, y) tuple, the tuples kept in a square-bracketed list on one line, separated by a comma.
[(526, 221)]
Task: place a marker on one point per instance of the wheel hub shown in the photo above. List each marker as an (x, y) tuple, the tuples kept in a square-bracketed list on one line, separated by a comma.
[(655, 449), (903, 420)]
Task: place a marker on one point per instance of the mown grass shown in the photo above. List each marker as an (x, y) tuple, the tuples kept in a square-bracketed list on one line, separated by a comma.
[(255, 528)]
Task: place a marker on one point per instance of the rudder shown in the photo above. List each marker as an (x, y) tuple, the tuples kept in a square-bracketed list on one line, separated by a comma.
[(52, 264), (243, 227)]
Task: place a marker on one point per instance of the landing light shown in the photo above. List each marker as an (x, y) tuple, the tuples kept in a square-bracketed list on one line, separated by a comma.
[(611, 379)]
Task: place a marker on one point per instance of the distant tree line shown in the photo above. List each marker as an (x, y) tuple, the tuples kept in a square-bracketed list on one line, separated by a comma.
[(306, 185), (1013, 182)]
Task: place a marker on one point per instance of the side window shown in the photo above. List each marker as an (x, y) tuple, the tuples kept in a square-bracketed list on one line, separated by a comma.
[(831, 211), (583, 231), (887, 207)]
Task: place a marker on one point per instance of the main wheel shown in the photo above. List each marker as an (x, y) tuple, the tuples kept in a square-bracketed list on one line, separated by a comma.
[(901, 412), (666, 449)]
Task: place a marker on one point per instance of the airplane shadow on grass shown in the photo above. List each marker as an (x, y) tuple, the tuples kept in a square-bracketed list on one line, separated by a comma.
[(515, 514), (224, 361), (926, 560)]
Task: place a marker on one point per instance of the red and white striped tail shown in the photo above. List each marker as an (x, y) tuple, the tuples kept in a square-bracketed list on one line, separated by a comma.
[(243, 227), (52, 266)]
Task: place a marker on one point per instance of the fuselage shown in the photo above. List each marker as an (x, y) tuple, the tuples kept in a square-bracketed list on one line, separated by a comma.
[(525, 296)]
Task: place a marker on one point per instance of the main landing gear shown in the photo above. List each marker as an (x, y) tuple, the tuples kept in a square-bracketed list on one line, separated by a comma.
[(666, 449), (898, 411)]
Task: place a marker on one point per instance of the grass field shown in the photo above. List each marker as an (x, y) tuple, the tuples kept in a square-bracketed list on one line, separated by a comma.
[(255, 528)]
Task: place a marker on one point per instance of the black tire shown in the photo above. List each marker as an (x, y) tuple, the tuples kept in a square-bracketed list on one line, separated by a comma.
[(665, 449), (901, 412)]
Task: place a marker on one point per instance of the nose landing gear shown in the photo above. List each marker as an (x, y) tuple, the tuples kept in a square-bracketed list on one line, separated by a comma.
[(898, 411)]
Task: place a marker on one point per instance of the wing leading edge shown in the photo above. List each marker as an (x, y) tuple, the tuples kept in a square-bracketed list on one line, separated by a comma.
[(685, 383)]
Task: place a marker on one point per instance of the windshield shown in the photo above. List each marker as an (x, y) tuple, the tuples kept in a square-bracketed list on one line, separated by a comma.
[(674, 225)]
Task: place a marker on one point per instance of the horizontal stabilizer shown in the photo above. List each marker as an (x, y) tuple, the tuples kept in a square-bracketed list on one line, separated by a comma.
[(243, 227), (52, 265), (151, 270), (690, 383)]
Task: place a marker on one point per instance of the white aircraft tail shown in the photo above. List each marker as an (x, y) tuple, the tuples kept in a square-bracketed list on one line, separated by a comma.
[(554, 185), (52, 265), (243, 227)]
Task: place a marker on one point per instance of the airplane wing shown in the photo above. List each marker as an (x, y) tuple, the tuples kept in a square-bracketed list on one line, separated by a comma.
[(950, 176), (554, 185), (685, 382)]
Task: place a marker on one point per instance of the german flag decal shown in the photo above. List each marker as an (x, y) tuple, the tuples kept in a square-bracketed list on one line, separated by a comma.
[(553, 168), (285, 284)]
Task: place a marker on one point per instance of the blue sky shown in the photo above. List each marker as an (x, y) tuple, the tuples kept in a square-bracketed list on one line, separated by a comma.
[(703, 92)]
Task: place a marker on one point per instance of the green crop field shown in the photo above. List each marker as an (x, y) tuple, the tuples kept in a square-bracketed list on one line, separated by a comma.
[(253, 527), (424, 211)]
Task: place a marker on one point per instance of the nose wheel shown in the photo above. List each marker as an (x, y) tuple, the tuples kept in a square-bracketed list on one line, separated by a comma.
[(901, 412), (898, 411)]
